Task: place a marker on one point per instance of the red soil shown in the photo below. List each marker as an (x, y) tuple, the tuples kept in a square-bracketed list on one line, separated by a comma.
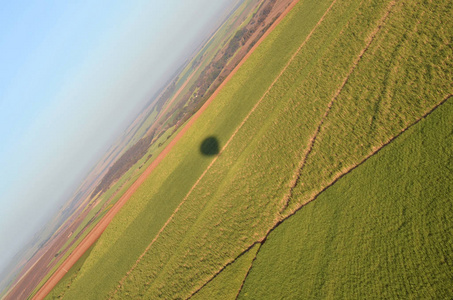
[(44, 260)]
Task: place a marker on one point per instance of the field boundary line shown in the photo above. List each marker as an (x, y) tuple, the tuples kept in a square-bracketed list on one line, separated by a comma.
[(296, 177), (248, 271), (226, 265), (278, 223), (198, 113), (245, 120), (261, 99), (376, 151), (373, 153)]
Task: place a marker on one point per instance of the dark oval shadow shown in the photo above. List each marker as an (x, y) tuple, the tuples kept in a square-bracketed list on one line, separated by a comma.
[(210, 146)]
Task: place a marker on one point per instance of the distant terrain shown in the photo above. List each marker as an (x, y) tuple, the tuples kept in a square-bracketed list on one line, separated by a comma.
[(304, 152), (148, 135)]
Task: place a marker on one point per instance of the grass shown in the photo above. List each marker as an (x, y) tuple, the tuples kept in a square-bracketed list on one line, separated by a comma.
[(241, 166), (229, 282), (405, 76), (343, 105), (120, 188), (154, 202), (384, 231), (64, 284)]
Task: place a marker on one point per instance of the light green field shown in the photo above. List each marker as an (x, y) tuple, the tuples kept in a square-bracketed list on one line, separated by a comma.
[(59, 290), (365, 71), (228, 283), (155, 201), (135, 171), (384, 231), (120, 188)]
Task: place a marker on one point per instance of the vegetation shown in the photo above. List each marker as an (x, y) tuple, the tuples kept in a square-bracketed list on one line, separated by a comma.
[(381, 232), (288, 128), (111, 196), (219, 68), (229, 282), (156, 200), (125, 170), (65, 283), (124, 163), (405, 77)]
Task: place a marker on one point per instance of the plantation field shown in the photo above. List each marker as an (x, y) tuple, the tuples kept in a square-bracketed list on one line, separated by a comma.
[(341, 80), (229, 282), (59, 290), (383, 231), (111, 196)]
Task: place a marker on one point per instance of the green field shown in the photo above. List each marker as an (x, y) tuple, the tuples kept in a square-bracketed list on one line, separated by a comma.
[(119, 188), (341, 80), (383, 231), (60, 289), (228, 283)]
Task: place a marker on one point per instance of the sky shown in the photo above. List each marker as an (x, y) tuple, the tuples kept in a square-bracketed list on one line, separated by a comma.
[(71, 74)]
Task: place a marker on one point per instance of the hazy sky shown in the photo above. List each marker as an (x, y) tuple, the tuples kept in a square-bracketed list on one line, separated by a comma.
[(71, 73)]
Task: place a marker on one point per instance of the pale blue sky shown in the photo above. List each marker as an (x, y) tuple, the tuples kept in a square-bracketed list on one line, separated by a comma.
[(71, 74)]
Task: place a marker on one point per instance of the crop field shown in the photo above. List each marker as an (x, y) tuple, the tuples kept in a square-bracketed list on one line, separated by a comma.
[(341, 80), (383, 231), (100, 204), (111, 196), (59, 291), (229, 282)]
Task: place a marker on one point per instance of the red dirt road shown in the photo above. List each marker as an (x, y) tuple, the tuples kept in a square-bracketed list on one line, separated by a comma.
[(92, 237)]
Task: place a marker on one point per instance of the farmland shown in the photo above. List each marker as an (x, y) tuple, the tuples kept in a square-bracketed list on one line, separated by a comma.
[(122, 165), (382, 231), (60, 289), (114, 185), (320, 139), (229, 282)]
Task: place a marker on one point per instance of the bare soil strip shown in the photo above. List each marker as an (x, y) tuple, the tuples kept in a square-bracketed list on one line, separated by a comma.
[(102, 225), (312, 140)]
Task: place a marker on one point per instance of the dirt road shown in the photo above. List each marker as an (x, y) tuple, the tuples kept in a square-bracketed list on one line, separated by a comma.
[(102, 225)]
